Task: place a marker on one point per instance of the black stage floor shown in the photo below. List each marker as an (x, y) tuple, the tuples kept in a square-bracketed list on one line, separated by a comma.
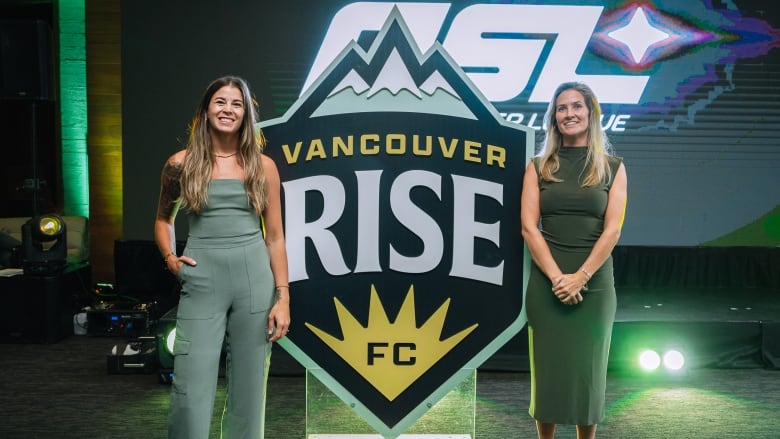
[(719, 304), (718, 326), (714, 327)]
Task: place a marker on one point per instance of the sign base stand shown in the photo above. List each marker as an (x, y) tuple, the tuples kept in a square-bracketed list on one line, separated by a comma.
[(329, 417)]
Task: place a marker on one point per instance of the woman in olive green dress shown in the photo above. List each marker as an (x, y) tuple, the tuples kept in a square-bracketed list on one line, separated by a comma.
[(572, 210)]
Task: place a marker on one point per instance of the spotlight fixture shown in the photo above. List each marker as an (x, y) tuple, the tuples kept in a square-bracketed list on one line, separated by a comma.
[(169, 340), (44, 245), (649, 360), (166, 333), (674, 360)]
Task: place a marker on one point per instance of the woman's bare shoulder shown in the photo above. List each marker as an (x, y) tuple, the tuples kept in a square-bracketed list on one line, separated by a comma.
[(176, 160), (267, 161)]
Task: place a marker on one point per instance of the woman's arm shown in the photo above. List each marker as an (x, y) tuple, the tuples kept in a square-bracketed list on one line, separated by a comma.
[(613, 222), (530, 213), (279, 317), (167, 207)]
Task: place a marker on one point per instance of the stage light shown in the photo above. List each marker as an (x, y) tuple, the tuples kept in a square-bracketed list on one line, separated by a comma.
[(674, 360), (44, 245), (169, 339), (166, 333), (649, 360), (50, 225)]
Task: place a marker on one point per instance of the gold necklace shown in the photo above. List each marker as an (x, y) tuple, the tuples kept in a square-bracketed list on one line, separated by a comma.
[(225, 156)]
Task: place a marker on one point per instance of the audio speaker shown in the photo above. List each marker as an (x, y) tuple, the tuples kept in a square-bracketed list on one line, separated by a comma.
[(25, 60)]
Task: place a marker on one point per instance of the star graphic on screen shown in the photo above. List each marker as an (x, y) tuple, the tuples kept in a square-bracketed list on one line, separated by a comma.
[(639, 35)]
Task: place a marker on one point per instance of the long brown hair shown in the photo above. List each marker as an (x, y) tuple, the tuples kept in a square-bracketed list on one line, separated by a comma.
[(599, 147), (199, 160)]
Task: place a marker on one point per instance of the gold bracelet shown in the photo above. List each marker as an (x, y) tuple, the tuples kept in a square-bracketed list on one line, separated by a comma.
[(587, 274), (282, 286), (165, 258)]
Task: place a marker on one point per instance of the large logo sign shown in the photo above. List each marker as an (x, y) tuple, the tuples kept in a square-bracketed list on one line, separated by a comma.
[(639, 56), (401, 194)]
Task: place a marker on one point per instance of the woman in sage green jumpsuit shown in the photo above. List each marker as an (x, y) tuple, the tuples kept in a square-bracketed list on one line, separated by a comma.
[(233, 276), (573, 203)]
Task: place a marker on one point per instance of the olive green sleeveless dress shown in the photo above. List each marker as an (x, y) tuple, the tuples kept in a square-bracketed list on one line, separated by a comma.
[(569, 344)]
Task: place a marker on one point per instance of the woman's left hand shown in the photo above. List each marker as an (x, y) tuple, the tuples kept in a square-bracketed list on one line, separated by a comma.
[(279, 320)]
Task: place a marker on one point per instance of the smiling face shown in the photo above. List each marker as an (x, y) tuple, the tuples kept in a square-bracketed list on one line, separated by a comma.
[(571, 118), (226, 110)]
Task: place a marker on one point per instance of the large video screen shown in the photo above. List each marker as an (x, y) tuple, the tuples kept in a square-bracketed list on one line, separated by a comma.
[(688, 89)]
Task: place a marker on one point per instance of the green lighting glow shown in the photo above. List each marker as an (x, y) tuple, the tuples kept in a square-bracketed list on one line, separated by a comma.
[(689, 411), (73, 106)]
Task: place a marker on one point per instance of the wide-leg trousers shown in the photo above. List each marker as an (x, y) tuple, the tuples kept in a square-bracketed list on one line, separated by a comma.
[(225, 297)]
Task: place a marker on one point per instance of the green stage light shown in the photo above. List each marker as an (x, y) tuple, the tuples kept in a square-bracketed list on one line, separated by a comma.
[(165, 331), (649, 360), (169, 339), (674, 360)]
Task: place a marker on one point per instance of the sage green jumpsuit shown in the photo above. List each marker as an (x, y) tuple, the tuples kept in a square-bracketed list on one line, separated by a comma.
[(569, 344), (226, 296)]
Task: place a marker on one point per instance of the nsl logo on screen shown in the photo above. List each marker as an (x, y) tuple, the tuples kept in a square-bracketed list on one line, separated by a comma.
[(500, 47)]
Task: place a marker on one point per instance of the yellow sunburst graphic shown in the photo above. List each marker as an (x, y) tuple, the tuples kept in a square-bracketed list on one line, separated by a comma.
[(391, 355)]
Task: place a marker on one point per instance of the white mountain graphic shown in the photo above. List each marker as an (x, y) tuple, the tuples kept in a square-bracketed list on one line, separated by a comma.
[(394, 77), (394, 90), (351, 80), (435, 82)]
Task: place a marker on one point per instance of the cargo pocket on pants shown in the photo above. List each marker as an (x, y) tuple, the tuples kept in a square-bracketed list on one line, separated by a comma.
[(180, 347)]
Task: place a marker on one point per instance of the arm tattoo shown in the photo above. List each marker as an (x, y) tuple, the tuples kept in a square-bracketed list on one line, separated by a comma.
[(170, 190)]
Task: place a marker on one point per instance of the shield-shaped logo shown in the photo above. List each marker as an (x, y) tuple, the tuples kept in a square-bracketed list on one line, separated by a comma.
[(401, 201)]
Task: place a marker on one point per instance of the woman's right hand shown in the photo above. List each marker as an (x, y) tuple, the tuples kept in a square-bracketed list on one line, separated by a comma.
[(174, 263), (567, 289)]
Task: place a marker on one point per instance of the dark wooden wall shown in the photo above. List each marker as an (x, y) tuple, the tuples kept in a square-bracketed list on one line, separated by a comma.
[(104, 141)]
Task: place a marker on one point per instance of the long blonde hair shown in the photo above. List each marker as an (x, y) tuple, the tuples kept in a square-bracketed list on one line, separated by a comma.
[(599, 147), (199, 160)]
